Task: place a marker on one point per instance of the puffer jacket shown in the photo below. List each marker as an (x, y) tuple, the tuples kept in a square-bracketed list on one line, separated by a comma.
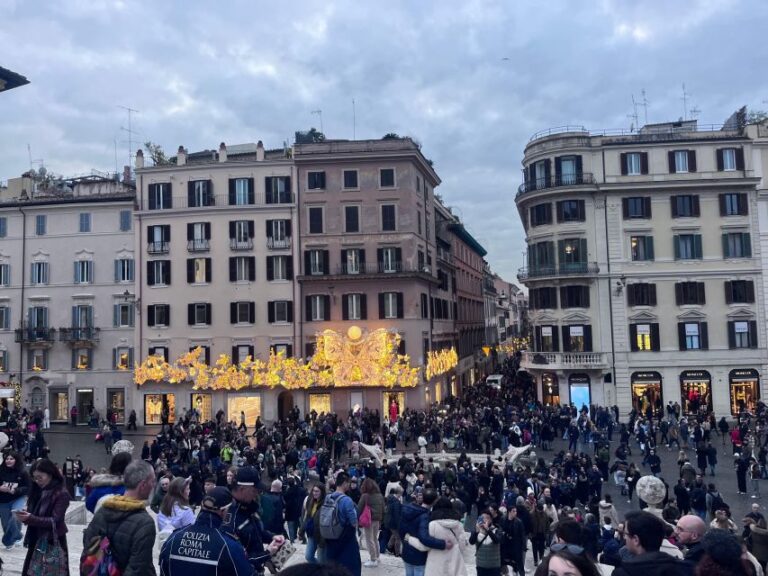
[(414, 520), (375, 502), (442, 562), (102, 485), (131, 532)]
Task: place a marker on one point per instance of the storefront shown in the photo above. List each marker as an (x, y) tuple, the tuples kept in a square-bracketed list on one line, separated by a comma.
[(695, 391), (320, 402), (550, 389), (579, 389), (646, 391), (6, 396), (250, 404), (744, 384), (116, 403), (202, 402), (84, 402), (154, 405), (58, 402)]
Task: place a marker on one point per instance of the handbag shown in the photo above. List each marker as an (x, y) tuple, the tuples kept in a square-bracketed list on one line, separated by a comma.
[(365, 517), (281, 557), (49, 558)]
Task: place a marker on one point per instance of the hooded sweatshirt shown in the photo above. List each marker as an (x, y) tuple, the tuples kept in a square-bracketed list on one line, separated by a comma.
[(131, 532)]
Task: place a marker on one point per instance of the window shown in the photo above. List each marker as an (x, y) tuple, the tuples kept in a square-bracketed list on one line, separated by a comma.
[(388, 220), (123, 358), (742, 334), (241, 192), (123, 315), (83, 272), (730, 159), (644, 337), (241, 352), (681, 161), (354, 307), (641, 295), (85, 222), (634, 163), (546, 339), (198, 270), (352, 261), (38, 317), (352, 218), (641, 248), (5, 274), (316, 180), (685, 206), (315, 220), (161, 351), (241, 234), (3, 226), (318, 308), (350, 179), (206, 354), (577, 338), (391, 305), (125, 220), (390, 259), (279, 268), (734, 204), (242, 312), (574, 296), (39, 273), (541, 214), (82, 359), (542, 298), (689, 293), (568, 170), (387, 178), (160, 196), (158, 239), (572, 254), (316, 262), (737, 245), (37, 359), (124, 270), (199, 193), (424, 305), (278, 189), (570, 210), (159, 273), (636, 207), (541, 258), (198, 236), (280, 311), (739, 292), (278, 233), (5, 317), (692, 336), (242, 269), (40, 224), (3, 361), (687, 246), (159, 315)]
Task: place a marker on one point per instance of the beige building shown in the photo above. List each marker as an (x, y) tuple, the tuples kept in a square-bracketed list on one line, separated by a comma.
[(644, 270)]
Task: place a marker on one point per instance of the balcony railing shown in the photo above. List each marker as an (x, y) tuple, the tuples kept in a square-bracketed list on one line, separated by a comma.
[(158, 247), (221, 201), (199, 245), (35, 335), (567, 269), (579, 179), (79, 335), (236, 244), (279, 243), (563, 360)]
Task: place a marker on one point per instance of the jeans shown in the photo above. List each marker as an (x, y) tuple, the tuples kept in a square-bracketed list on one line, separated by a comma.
[(313, 554), (11, 526), (412, 570), (371, 536), (292, 527)]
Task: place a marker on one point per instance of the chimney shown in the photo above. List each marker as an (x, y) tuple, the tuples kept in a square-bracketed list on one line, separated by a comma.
[(259, 151), (126, 174), (139, 159), (222, 152), (181, 156)]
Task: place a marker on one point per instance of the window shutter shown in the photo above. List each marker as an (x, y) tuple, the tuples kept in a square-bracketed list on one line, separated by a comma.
[(750, 291), (252, 312), (625, 207), (752, 334), (345, 307), (631, 299), (558, 170), (721, 198), (695, 205), (731, 334), (232, 269), (251, 268), (117, 270), (623, 162), (115, 315), (167, 272), (724, 240), (564, 302), (585, 294), (561, 252), (363, 307), (270, 268), (270, 312), (191, 314), (703, 336), (728, 292), (649, 248), (537, 338), (691, 160), (208, 314), (152, 198), (566, 338), (681, 336), (151, 315), (655, 343), (289, 267), (190, 231), (671, 160), (587, 338), (673, 206), (531, 177), (720, 162), (326, 307), (547, 172), (559, 209), (400, 311), (652, 294), (556, 340), (150, 273), (269, 228), (190, 270), (208, 270), (344, 260), (251, 229), (647, 207), (697, 246), (307, 263), (701, 293), (232, 230), (235, 355), (633, 337), (233, 312), (381, 306), (232, 195), (679, 293), (326, 262), (190, 193), (268, 190), (308, 308), (76, 276), (643, 162), (290, 310), (743, 205), (739, 158)]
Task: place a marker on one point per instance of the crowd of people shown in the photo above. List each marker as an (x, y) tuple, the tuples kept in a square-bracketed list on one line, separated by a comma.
[(492, 474)]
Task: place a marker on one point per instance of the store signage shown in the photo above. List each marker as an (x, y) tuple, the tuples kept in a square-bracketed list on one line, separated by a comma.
[(744, 373), (646, 377), (546, 331), (644, 329), (577, 330), (578, 379), (695, 375), (691, 329)]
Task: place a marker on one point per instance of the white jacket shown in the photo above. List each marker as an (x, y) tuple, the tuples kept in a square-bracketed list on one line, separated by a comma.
[(444, 562)]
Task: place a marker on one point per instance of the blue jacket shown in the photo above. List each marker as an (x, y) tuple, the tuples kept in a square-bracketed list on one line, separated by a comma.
[(414, 520), (244, 524), (203, 550)]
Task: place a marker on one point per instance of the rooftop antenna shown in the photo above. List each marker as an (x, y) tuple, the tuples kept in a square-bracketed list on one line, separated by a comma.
[(130, 133), (319, 115), (33, 162), (644, 104), (633, 115), (354, 121), (685, 102), (695, 112)]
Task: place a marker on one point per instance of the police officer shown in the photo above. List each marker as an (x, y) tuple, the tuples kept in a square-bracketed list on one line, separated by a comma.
[(243, 521), (202, 548)]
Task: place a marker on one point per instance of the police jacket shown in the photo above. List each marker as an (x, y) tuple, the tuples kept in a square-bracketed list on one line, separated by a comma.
[(244, 524), (202, 549)]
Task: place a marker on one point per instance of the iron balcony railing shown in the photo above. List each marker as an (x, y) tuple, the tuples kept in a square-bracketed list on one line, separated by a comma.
[(79, 334), (158, 247), (567, 269), (373, 268), (31, 335), (578, 179), (236, 244), (198, 245), (279, 243), (220, 201)]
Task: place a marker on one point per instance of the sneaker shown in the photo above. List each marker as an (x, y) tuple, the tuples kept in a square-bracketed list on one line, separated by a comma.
[(19, 543), (371, 563)]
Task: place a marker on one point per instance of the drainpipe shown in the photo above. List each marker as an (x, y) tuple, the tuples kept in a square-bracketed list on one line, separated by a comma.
[(23, 287), (610, 287)]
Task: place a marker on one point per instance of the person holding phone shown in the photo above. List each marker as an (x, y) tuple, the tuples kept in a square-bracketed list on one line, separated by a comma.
[(486, 538), (14, 486)]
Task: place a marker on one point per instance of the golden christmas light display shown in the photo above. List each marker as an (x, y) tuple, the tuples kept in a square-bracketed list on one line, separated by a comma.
[(440, 361), (351, 360)]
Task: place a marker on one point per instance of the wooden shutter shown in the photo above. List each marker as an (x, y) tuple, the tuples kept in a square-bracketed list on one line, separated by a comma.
[(728, 292), (290, 310), (652, 294), (167, 272), (307, 262), (721, 199), (646, 207), (190, 193), (697, 253), (556, 340), (233, 312), (701, 297), (566, 337), (655, 343), (151, 315), (288, 232), (547, 173), (251, 191), (232, 268), (679, 293), (251, 312), (326, 307), (691, 160), (269, 228), (731, 334), (623, 162), (752, 334), (625, 207), (537, 338), (633, 338), (191, 314), (208, 270), (363, 307), (326, 262), (740, 158), (251, 229), (643, 162), (289, 267), (559, 210), (270, 312), (743, 205), (270, 268), (558, 170), (400, 307), (232, 195), (308, 308), (345, 306), (269, 198), (190, 270), (631, 297), (190, 231), (152, 196), (587, 338), (673, 206), (381, 306), (750, 291), (235, 355), (208, 314), (564, 300), (681, 343), (671, 161), (724, 241), (251, 268), (720, 161), (703, 336), (150, 272), (696, 205)]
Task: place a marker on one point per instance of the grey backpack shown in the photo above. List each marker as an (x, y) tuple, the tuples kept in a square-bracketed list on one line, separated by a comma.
[(330, 519)]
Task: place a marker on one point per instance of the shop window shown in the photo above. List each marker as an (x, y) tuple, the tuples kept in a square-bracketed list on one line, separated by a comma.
[(320, 403), (550, 389), (155, 404), (696, 391), (203, 405), (250, 405), (744, 390), (647, 392)]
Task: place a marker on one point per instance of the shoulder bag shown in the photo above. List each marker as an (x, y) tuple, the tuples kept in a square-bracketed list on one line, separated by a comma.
[(49, 558)]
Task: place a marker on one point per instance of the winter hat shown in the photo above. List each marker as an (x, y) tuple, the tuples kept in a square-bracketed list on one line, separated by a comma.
[(722, 546)]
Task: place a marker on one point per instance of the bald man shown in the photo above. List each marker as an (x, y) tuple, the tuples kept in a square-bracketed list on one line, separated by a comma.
[(689, 531)]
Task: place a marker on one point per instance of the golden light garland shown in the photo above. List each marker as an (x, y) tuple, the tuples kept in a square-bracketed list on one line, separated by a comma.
[(512, 345), (441, 361)]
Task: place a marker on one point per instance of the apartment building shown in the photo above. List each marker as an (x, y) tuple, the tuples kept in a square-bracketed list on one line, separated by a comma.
[(444, 299), (510, 309), (66, 264), (367, 233), (644, 272), (215, 268)]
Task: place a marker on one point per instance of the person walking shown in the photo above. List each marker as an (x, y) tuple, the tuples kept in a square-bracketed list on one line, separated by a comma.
[(345, 549), (46, 509), (46, 418), (125, 521), (540, 523), (372, 498), (14, 487), (514, 541), (273, 509), (309, 524)]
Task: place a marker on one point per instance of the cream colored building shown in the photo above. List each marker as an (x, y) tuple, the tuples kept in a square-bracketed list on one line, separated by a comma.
[(644, 266)]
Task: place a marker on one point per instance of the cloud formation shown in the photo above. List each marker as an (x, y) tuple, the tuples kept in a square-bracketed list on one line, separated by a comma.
[(471, 80)]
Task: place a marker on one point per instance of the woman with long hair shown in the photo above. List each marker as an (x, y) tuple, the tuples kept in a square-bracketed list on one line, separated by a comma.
[(570, 560), (175, 511), (370, 496), (46, 508), (309, 524), (445, 524), (14, 487)]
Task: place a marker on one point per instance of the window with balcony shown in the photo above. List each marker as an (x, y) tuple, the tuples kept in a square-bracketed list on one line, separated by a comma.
[(739, 292), (41, 225), (279, 268), (199, 270), (39, 275), (734, 204), (546, 339), (641, 294), (316, 180), (641, 248), (353, 261), (692, 336), (634, 163), (539, 175), (159, 273), (242, 312), (124, 270), (737, 245), (159, 239), (685, 206), (85, 222), (391, 305), (388, 218), (315, 214), (574, 296), (742, 334), (199, 193), (572, 254), (577, 338), (570, 211), (279, 234), (644, 337), (241, 234), (242, 269), (636, 207), (730, 159), (568, 170), (123, 314), (278, 189), (542, 298), (353, 307), (198, 236), (280, 311), (5, 274), (159, 315), (38, 317), (690, 293), (687, 246), (83, 272), (387, 178), (350, 180), (241, 192), (316, 262), (318, 308), (159, 196), (541, 258), (352, 219), (390, 259), (541, 214)]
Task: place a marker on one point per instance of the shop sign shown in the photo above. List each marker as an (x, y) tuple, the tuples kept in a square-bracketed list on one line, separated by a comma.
[(695, 375), (578, 379), (646, 377), (546, 330), (577, 330), (744, 373)]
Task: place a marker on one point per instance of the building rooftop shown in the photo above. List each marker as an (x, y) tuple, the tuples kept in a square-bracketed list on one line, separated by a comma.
[(10, 79)]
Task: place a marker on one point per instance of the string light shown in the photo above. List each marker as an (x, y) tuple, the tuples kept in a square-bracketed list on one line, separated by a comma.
[(441, 361)]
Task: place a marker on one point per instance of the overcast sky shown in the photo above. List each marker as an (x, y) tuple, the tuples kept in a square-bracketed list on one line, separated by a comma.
[(470, 80)]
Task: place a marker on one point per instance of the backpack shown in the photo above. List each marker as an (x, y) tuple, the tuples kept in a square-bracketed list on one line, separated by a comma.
[(717, 502), (331, 527), (97, 559)]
